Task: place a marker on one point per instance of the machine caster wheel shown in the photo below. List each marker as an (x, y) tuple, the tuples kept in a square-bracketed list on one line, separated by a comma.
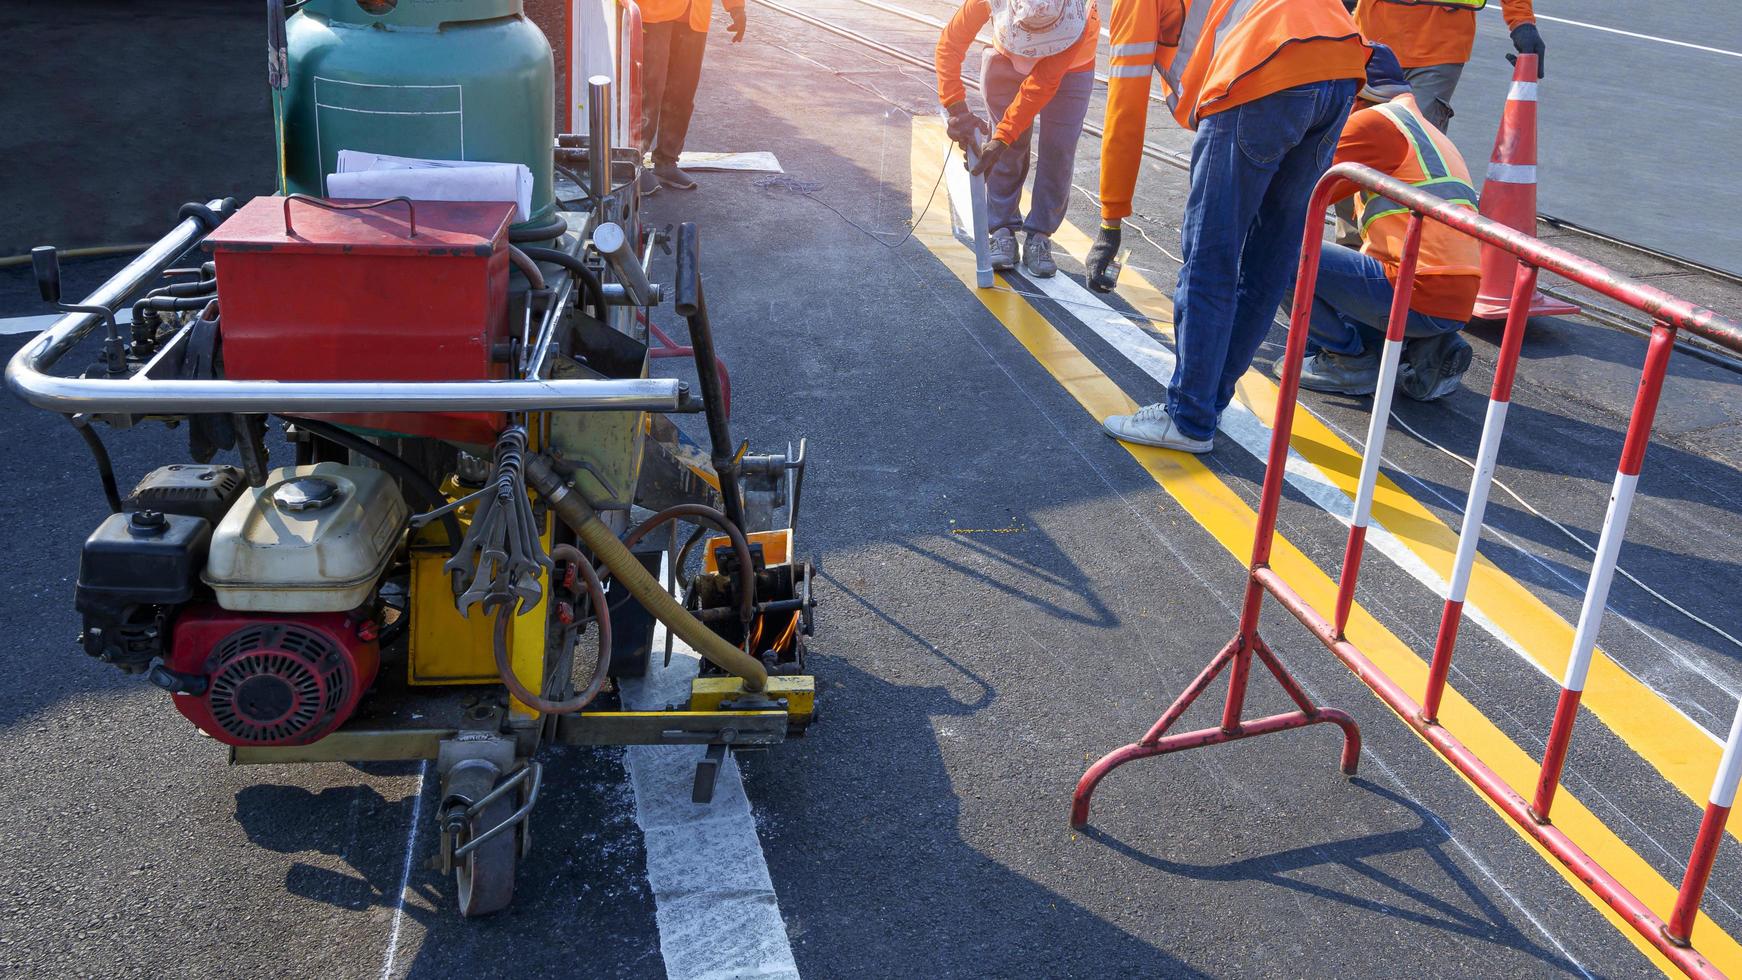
[(484, 879)]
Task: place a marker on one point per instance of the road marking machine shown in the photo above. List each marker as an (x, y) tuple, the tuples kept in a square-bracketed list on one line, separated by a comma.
[(476, 530)]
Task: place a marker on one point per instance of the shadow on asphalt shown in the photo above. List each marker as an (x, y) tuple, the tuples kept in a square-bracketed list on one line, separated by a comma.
[(1482, 921)]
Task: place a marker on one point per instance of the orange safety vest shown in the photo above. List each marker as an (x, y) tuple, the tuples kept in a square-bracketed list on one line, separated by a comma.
[(1213, 55), (697, 12), (1434, 166)]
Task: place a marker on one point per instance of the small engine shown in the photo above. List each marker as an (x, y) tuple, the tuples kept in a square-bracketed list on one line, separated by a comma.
[(266, 679), (253, 606)]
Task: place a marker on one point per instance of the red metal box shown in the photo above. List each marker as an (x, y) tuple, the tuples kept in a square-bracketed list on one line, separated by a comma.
[(405, 291)]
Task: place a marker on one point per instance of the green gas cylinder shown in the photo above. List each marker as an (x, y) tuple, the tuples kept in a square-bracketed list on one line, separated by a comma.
[(437, 79)]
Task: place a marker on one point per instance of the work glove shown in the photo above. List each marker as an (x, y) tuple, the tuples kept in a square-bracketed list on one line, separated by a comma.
[(1528, 41), (990, 153), (736, 14), (964, 127), (1102, 262)]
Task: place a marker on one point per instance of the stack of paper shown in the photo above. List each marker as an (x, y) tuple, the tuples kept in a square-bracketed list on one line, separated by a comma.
[(376, 175)]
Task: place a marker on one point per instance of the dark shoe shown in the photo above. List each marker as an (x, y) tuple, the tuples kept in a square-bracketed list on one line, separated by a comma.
[(647, 183), (672, 177), (1002, 245), (1433, 367), (1037, 257), (1340, 374)]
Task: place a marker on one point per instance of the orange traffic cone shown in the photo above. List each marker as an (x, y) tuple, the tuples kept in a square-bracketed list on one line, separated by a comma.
[(1509, 197)]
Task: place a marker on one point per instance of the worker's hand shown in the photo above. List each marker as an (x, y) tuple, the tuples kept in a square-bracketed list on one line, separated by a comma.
[(1103, 269), (1528, 40), (990, 153), (964, 127), (737, 17)]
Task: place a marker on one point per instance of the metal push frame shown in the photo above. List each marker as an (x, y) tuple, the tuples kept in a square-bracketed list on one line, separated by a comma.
[(1669, 315)]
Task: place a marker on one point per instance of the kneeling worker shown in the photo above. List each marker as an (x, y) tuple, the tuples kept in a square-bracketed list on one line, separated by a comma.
[(1352, 299), (1041, 65)]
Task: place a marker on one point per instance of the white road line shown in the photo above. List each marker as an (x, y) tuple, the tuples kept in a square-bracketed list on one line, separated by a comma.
[(714, 902), (387, 959), (1253, 435), (1635, 34)]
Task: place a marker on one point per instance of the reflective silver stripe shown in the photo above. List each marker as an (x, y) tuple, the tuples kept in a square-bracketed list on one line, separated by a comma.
[(1521, 92), (1513, 173), (1129, 71), (1196, 14), (1189, 36), (1134, 50)]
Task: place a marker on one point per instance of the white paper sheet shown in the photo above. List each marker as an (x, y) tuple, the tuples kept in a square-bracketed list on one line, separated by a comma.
[(364, 174)]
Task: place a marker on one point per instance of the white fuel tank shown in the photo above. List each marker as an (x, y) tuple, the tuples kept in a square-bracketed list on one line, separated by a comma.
[(313, 539)]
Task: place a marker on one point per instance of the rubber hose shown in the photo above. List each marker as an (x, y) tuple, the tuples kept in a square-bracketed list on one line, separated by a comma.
[(553, 228), (579, 515), (105, 469), (575, 266), (414, 481), (709, 517), (601, 615), (527, 267)]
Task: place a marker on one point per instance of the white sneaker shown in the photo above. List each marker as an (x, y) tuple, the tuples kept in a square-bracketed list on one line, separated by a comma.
[(1152, 426)]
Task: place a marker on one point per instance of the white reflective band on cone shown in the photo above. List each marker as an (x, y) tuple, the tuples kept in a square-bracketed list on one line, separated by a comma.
[(1376, 431), (1513, 173), (1602, 575), (1730, 766), (1470, 532), (1521, 92)]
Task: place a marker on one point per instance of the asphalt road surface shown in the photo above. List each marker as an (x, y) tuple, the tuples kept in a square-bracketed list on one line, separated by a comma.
[(1007, 595)]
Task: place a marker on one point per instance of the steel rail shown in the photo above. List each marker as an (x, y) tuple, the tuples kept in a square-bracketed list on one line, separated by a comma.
[(28, 378)]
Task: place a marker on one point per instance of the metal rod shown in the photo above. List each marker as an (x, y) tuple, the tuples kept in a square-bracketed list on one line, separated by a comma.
[(692, 304), (613, 243), (982, 233), (28, 378), (599, 135)]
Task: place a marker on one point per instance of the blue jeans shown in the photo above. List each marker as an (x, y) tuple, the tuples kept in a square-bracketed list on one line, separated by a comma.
[(1352, 302), (1253, 168), (1060, 125)]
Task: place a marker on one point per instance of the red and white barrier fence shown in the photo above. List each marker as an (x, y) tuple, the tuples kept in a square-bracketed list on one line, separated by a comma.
[(1670, 315)]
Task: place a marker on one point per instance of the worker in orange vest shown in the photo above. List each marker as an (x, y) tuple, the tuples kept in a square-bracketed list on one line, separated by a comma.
[(1037, 77), (1434, 38), (674, 36), (1352, 298), (1266, 84)]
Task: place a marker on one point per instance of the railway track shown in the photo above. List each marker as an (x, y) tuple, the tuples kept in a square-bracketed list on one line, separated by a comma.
[(1595, 312)]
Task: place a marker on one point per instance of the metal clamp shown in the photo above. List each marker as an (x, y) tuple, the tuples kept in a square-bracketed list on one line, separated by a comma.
[(321, 202), (532, 772)]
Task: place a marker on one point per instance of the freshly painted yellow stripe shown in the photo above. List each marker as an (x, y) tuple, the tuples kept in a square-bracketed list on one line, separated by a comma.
[(1670, 742), (1226, 516)]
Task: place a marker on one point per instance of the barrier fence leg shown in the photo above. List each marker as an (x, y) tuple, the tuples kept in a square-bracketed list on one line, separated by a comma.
[(1237, 654), (1560, 732), (1378, 421), (1476, 505), (1687, 901)]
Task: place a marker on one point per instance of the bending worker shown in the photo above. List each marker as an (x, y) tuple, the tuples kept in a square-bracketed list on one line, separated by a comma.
[(1266, 84), (1041, 65), (674, 36), (1434, 38), (1352, 300)]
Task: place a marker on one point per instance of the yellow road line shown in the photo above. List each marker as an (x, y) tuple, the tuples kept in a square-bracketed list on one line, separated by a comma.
[(1222, 512), (1683, 753)]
